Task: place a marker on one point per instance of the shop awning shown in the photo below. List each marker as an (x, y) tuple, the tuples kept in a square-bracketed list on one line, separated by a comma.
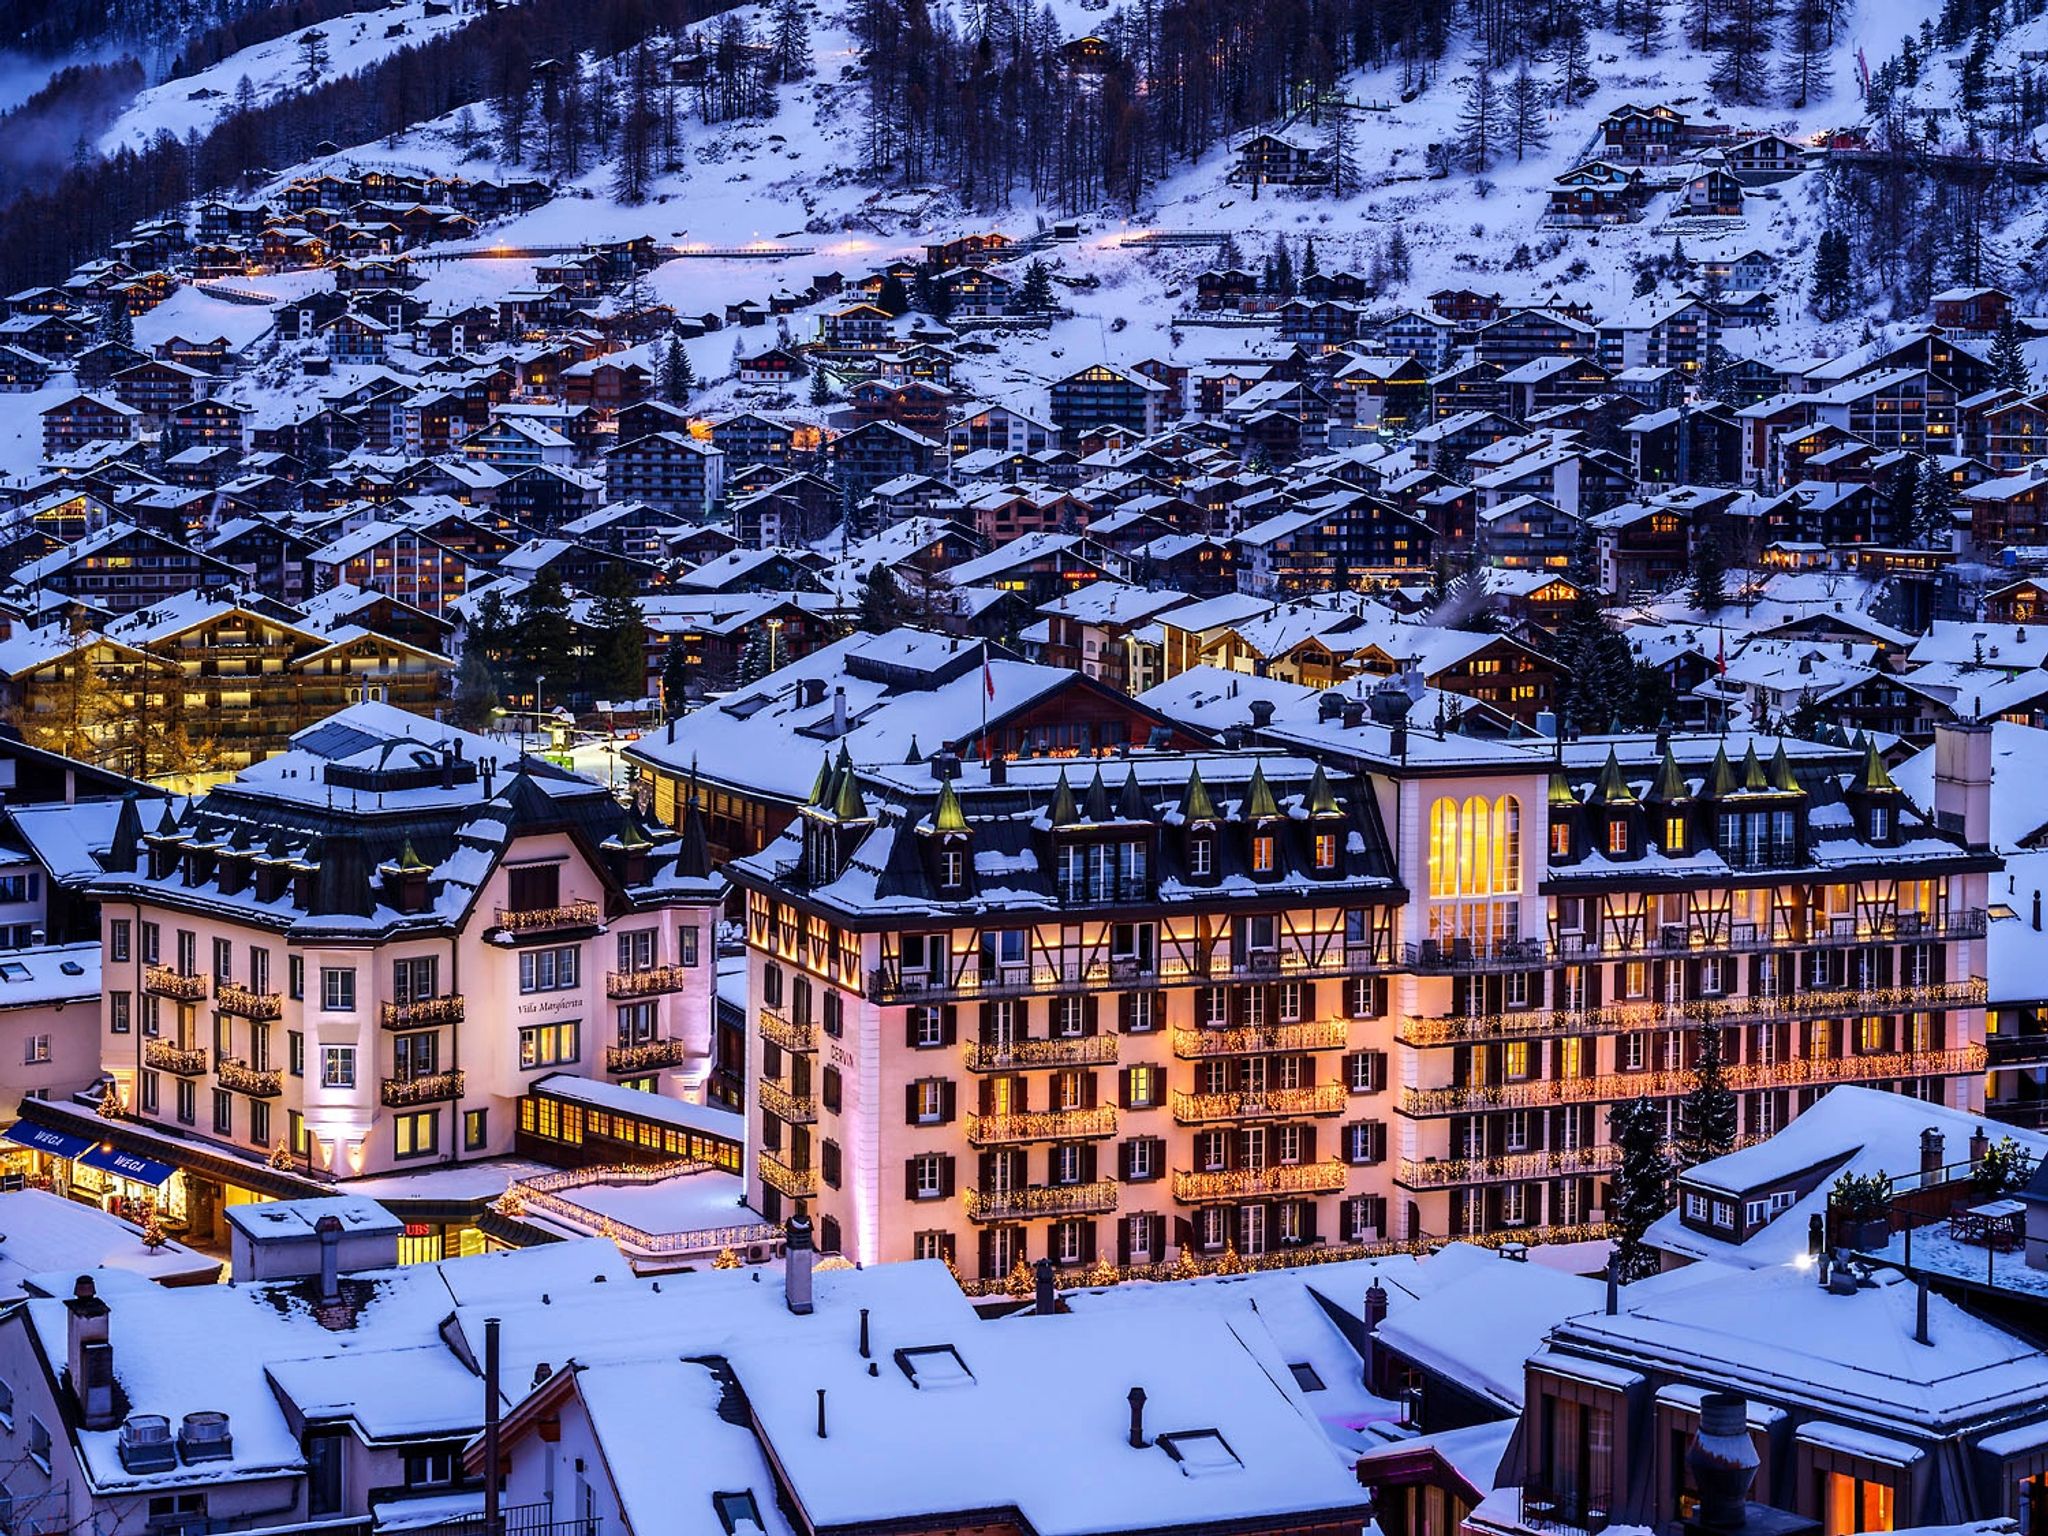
[(127, 1165), (42, 1139)]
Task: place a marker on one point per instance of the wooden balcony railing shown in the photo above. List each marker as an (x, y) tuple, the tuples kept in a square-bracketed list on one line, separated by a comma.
[(169, 1056), (1042, 1200), (422, 1013), (1044, 1125), (1434, 957), (166, 982), (652, 982), (1008, 1055), (647, 1056), (570, 914), (791, 1108), (433, 1088), (1625, 1018), (238, 1075), (1075, 970), (1804, 1071), (261, 1007), (777, 1030), (1324, 1178), (1258, 1040), (795, 1183), (1266, 1104)]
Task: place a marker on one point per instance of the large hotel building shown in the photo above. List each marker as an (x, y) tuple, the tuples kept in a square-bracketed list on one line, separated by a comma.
[(1360, 984)]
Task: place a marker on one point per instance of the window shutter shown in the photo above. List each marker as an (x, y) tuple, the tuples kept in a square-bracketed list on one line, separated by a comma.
[(1158, 1010), (1756, 974), (1938, 970), (1123, 1087), (1308, 1143), (910, 1103), (987, 1244), (910, 1178), (946, 1175), (1087, 1090), (1088, 1166), (1376, 1141), (948, 1024), (948, 1099), (1158, 1244), (1308, 1000), (1125, 1005), (1123, 1243), (1308, 1221), (1236, 1002), (1088, 1242), (910, 1040), (988, 1023), (1123, 1164), (1158, 1156), (1595, 975), (1089, 1013)]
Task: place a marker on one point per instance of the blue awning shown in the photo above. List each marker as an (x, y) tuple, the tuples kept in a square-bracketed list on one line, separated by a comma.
[(127, 1165), (42, 1139)]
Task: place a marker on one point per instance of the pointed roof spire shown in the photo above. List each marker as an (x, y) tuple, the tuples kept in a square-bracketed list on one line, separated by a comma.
[(1875, 774), (1322, 801), (1670, 784), (408, 859), (1721, 776), (1095, 804), (913, 756), (1131, 804), (847, 803), (167, 824), (1781, 773), (821, 786), (1561, 791), (1753, 775), (122, 853), (1195, 804), (1612, 788), (948, 816), (1259, 804), (1063, 812)]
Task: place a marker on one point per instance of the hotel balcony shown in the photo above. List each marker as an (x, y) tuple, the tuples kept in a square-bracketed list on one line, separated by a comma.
[(652, 982), (1267, 1104), (1515, 1167), (166, 982), (237, 1074), (1802, 1072), (1324, 1178), (424, 1013), (777, 1030), (1625, 1018), (169, 1056), (1094, 1199), (434, 1088), (1433, 957), (1048, 1125), (569, 915), (1010, 1055), (647, 1056), (795, 1183), (1073, 970), (791, 1108), (261, 1007), (1258, 1040)]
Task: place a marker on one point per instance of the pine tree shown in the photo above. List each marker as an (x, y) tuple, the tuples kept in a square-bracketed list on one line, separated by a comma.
[(753, 659), (1599, 665), (86, 714), (1708, 590), (892, 296), (312, 56), (549, 636), (1833, 282), (1340, 150), (1308, 257), (1642, 1185), (1034, 295), (678, 378), (881, 601), (1527, 129), (2009, 358), (821, 386), (1934, 504), (120, 324), (1706, 1115), (790, 40), (1283, 268), (1574, 58), (1479, 120), (1742, 62), (619, 669), (476, 692), (1396, 260), (675, 678)]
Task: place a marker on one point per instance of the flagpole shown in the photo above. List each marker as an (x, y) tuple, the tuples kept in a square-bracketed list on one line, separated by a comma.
[(988, 686)]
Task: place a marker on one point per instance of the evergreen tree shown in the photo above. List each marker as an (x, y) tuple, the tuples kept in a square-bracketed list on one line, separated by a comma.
[(476, 692), (1396, 260), (1308, 257), (312, 56), (790, 40), (881, 601), (753, 659), (549, 636), (618, 671), (1642, 1184), (1283, 268), (1902, 506), (1527, 129), (1574, 59), (87, 714), (1708, 590), (489, 635), (1742, 61), (1934, 505), (1480, 129), (821, 386), (1706, 1115), (1340, 149), (2009, 358), (892, 296), (678, 378), (120, 324), (1833, 282), (1599, 667), (1034, 294), (675, 678)]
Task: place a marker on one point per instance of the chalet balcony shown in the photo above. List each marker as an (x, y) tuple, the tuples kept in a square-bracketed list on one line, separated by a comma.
[(237, 1074), (1011, 1055), (1075, 971), (777, 1030), (423, 1013), (167, 982), (1094, 1199), (1045, 1125), (433, 1088), (1324, 1178), (647, 1056), (794, 1183), (652, 982), (1625, 1018), (169, 1056), (1433, 957), (1265, 1104), (261, 1007), (1258, 1040), (1802, 1072), (568, 916), (2017, 1050), (779, 1101)]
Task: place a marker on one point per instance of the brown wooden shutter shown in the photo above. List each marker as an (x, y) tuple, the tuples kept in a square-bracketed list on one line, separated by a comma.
[(910, 1103), (946, 1175), (1089, 1013), (948, 1098), (910, 1178), (948, 1024), (1089, 1163)]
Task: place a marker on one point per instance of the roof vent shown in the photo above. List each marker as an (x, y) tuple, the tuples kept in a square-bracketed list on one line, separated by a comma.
[(145, 1443), (204, 1437)]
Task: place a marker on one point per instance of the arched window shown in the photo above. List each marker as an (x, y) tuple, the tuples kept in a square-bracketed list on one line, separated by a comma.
[(1475, 874), (1507, 845), (1443, 848)]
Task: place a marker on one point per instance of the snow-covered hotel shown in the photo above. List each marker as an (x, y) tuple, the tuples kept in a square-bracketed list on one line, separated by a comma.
[(1363, 984), (393, 950)]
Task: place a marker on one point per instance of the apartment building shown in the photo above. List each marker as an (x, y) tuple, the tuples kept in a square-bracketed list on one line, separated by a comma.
[(1375, 987), (362, 955)]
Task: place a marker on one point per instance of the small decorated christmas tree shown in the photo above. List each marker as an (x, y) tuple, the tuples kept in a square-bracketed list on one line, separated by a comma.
[(110, 1100), (153, 1234), (1021, 1283), (726, 1259)]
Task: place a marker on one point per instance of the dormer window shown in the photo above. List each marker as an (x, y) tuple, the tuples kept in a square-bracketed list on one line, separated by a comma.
[(1326, 850), (1880, 823), (952, 868), (1560, 840), (1617, 837), (1674, 834), (1262, 853), (1201, 858)]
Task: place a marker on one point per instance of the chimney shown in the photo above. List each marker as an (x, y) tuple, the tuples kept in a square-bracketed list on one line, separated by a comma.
[(1920, 1333), (328, 1229), (839, 711), (1980, 1145), (493, 1470), (998, 769), (1044, 1299), (1613, 1284), (2037, 911), (1723, 1461), (1369, 1345), (1137, 1401), (1933, 1152), (864, 1352), (798, 1257), (1962, 781), (89, 1356), (1262, 714)]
